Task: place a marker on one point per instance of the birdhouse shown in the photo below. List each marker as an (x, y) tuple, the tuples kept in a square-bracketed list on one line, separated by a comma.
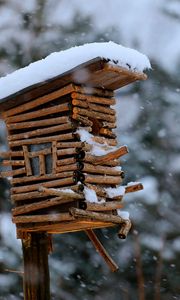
[(63, 158)]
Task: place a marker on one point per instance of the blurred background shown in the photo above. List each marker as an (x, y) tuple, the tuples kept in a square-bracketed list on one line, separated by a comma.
[(148, 122)]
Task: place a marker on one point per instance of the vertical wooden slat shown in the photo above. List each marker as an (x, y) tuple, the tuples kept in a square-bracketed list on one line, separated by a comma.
[(54, 156), (27, 161), (42, 164), (36, 271)]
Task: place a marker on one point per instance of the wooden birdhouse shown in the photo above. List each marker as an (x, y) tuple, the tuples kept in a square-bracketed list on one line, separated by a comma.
[(63, 158)]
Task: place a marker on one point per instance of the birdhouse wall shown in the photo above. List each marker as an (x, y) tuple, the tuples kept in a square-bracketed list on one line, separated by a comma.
[(52, 165)]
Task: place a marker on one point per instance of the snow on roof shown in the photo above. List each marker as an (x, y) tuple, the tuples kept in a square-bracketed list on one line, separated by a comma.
[(59, 62)]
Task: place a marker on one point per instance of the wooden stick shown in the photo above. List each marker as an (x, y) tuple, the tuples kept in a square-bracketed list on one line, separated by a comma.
[(63, 152), (42, 164), (72, 167), (104, 206), (107, 132), (43, 218), (84, 120), (39, 101), (70, 144), (10, 154), (40, 140), (113, 163), (6, 163), (67, 161), (124, 230), (27, 208), (98, 160), (95, 107), (80, 213), (13, 172), (93, 114), (39, 123), (101, 250), (92, 90), (45, 151), (22, 180), (60, 192), (36, 132), (54, 156), (89, 168), (35, 187), (39, 113), (133, 188), (94, 99), (97, 179), (27, 161)]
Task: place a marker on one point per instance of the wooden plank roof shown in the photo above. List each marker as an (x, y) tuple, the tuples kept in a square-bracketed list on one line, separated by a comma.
[(97, 73)]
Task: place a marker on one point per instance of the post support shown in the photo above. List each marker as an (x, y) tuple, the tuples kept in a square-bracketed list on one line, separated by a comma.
[(36, 281)]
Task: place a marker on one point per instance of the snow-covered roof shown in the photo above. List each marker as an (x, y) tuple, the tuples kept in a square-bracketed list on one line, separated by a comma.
[(61, 62)]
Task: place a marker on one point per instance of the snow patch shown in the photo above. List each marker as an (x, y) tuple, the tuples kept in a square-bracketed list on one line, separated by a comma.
[(59, 62), (115, 192), (97, 148), (90, 195), (123, 214)]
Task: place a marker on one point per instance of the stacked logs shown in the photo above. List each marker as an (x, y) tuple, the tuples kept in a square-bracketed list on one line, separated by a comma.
[(53, 166)]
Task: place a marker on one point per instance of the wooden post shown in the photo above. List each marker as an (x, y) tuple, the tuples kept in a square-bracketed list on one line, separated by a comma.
[(36, 271)]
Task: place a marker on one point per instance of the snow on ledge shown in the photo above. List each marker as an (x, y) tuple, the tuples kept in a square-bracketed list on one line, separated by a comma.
[(59, 62)]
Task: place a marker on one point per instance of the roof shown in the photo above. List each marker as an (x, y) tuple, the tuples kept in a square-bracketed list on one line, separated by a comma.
[(94, 73)]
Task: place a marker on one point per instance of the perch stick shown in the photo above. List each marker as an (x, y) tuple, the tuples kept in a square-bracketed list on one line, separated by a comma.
[(97, 179), (98, 160), (124, 230), (62, 137), (43, 218), (42, 131), (113, 163), (133, 188), (38, 123), (101, 250), (39, 101), (93, 114), (39, 113), (80, 213), (93, 99)]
